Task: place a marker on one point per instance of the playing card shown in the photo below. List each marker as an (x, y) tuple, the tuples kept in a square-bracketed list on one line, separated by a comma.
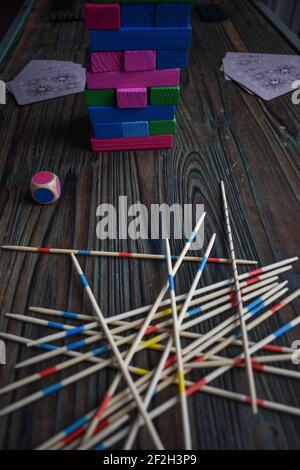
[(266, 75), (227, 78), (43, 80)]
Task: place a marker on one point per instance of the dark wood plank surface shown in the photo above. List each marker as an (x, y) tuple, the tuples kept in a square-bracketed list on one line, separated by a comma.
[(223, 133), (8, 13)]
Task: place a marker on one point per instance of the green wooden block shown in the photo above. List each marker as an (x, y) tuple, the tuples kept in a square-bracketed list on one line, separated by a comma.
[(100, 97), (162, 127), (164, 95)]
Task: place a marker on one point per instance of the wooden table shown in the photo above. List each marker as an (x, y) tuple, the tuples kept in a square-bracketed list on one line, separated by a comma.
[(223, 133)]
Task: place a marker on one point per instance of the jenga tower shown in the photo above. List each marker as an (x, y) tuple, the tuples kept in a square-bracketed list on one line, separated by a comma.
[(133, 71)]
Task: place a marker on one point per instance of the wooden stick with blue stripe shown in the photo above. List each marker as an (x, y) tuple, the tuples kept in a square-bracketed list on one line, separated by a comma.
[(77, 428), (119, 254), (180, 370), (161, 326), (69, 380), (192, 323), (231, 323), (239, 302), (258, 346), (118, 356), (80, 330), (247, 278), (142, 331), (91, 356), (245, 398), (136, 324), (246, 285), (201, 385), (163, 362), (188, 301), (77, 358)]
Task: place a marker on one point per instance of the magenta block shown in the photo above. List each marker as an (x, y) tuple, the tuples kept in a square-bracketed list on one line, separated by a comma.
[(103, 16), (99, 81), (132, 97), (107, 62), (136, 61)]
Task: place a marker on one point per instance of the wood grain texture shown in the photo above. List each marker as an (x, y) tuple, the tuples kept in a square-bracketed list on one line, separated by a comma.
[(223, 133), (101, 17), (107, 61), (172, 15), (138, 14), (131, 97), (135, 61), (135, 129), (99, 81)]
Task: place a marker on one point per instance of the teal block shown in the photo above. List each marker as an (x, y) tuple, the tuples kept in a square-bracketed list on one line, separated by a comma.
[(135, 129)]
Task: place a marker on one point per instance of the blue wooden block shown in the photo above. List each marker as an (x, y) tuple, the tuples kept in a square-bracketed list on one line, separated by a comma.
[(135, 129), (104, 114), (172, 59), (139, 39), (137, 14), (171, 15), (111, 130)]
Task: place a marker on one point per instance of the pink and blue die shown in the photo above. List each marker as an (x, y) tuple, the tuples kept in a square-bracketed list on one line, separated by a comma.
[(45, 187)]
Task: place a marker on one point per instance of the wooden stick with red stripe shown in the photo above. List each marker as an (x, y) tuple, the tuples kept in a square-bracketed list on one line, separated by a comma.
[(147, 321), (120, 254), (123, 365), (240, 359), (160, 327), (201, 385), (239, 299)]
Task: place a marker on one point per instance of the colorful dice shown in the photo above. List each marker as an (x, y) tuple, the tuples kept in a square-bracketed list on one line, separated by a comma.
[(45, 187)]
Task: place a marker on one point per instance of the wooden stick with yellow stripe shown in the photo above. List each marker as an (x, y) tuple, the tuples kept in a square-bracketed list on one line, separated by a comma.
[(139, 337), (181, 380), (180, 373), (164, 358)]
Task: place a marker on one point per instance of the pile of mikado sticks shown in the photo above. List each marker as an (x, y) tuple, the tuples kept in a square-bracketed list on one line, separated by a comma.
[(166, 327)]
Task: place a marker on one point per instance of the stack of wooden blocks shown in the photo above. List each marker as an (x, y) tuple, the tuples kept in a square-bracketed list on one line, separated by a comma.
[(133, 71)]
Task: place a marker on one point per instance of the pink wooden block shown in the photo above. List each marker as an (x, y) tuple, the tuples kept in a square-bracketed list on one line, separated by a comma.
[(132, 143), (102, 16), (107, 62), (132, 97), (164, 77), (139, 60)]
